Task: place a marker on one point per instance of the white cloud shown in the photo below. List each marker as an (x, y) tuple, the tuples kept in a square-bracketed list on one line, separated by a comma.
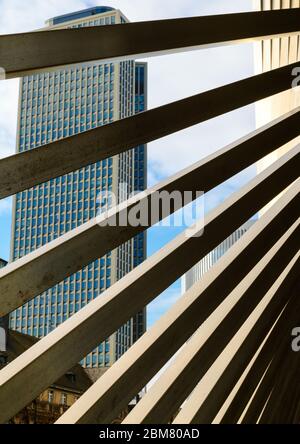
[(158, 9), (170, 77), (19, 16), (175, 77), (8, 116)]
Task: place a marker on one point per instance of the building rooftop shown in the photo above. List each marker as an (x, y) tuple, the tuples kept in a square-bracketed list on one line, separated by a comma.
[(2, 263), (80, 14), (75, 380)]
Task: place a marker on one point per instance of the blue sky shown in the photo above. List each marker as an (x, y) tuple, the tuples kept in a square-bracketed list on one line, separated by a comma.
[(170, 78)]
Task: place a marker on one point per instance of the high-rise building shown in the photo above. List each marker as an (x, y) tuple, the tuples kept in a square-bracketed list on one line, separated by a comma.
[(198, 271), (58, 104), (271, 54)]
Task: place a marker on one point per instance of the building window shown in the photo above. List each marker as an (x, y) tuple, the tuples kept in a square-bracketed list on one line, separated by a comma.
[(63, 399), (50, 396)]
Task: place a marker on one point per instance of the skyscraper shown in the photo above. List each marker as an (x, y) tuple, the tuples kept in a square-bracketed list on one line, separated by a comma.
[(58, 104), (272, 54), (198, 271)]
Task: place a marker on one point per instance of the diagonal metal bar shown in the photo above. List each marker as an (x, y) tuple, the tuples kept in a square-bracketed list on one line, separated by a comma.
[(280, 362), (285, 392), (244, 405), (221, 331), (30, 276), (259, 323), (106, 314), (27, 169), (24, 53), (134, 370), (229, 381)]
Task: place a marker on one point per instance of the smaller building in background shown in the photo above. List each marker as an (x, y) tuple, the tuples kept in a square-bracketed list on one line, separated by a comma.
[(2, 263), (198, 271), (53, 402)]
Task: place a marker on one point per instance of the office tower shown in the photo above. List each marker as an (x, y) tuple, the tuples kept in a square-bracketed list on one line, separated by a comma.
[(59, 104), (271, 54), (198, 271)]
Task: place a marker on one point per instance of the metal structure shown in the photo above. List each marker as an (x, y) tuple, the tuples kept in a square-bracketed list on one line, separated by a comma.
[(238, 319)]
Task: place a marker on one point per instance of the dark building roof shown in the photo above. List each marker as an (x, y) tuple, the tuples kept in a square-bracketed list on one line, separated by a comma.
[(75, 380), (2, 263)]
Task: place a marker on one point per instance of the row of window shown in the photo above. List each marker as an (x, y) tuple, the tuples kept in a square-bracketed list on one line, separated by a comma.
[(34, 123), (64, 202), (39, 305), (49, 96), (87, 191), (52, 103), (82, 199), (79, 196), (55, 185), (96, 360), (55, 103), (36, 223), (110, 20), (63, 398), (82, 79), (70, 73), (84, 106)]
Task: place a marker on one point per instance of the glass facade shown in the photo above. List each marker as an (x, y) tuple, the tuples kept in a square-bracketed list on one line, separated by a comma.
[(54, 105), (197, 272)]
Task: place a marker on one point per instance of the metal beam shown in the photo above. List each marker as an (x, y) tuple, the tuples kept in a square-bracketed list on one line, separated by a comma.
[(222, 331), (256, 327), (32, 167), (282, 406), (280, 361), (30, 276), (21, 54), (106, 399), (233, 375), (104, 315), (253, 391)]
